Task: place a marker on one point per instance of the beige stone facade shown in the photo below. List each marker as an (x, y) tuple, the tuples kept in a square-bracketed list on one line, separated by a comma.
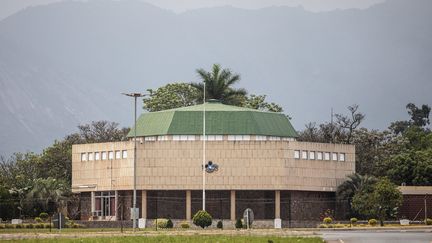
[(243, 165)]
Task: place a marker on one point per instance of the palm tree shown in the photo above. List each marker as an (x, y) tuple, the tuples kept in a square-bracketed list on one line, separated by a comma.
[(219, 85), (49, 190), (354, 184)]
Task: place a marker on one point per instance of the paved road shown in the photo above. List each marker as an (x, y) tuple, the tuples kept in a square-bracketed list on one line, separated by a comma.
[(378, 237)]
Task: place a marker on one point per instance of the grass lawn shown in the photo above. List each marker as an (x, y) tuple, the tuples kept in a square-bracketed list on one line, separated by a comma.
[(183, 239)]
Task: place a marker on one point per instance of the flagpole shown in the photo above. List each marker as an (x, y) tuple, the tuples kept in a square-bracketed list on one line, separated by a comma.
[(204, 148)]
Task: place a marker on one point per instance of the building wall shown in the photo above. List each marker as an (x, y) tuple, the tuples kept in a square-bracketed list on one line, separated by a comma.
[(243, 165)]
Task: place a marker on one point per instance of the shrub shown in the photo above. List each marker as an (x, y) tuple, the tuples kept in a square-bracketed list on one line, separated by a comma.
[(219, 224), (39, 226), (47, 225), (372, 222), (161, 223), (428, 221), (184, 225), (19, 226), (338, 226), (44, 216), (353, 220), (239, 224), (38, 220), (169, 224), (2, 226), (9, 226), (29, 226), (202, 219), (327, 220), (323, 226)]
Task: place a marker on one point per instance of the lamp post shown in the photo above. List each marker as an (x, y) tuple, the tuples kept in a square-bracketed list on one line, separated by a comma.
[(135, 95)]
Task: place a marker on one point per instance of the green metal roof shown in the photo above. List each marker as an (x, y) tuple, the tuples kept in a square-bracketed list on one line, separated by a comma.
[(220, 120)]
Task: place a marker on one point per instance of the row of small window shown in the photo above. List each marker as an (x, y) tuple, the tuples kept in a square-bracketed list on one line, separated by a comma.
[(313, 155), (216, 138), (90, 156)]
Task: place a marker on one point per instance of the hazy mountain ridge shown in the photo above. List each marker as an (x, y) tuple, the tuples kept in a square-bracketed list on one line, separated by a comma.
[(66, 63)]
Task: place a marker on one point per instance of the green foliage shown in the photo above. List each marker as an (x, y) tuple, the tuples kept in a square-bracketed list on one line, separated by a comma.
[(29, 226), (185, 225), (353, 220), (38, 220), (354, 184), (202, 219), (44, 216), (428, 221), (382, 201), (239, 224), (169, 224), (161, 223), (258, 102), (219, 85), (219, 224), (2, 226), (170, 96), (19, 226), (372, 222), (324, 226), (327, 220)]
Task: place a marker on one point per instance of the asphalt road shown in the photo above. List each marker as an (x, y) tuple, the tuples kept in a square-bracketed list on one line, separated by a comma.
[(378, 237)]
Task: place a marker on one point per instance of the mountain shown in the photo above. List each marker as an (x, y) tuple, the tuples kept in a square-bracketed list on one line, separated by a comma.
[(66, 63)]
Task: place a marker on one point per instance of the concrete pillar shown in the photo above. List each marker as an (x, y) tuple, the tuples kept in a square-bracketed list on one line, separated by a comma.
[(144, 204), (188, 205), (92, 201), (233, 205), (116, 203), (277, 220), (277, 204)]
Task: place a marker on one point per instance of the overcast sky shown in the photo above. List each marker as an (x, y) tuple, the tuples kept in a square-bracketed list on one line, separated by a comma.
[(9, 7)]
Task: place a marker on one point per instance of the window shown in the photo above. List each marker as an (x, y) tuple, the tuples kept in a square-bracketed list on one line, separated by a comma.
[(272, 138), (319, 156), (104, 204), (260, 138), (287, 139), (97, 156), (296, 154), (90, 156), (110, 155), (117, 154), (311, 154), (124, 154), (304, 154), (162, 138), (212, 137), (83, 156), (334, 156), (341, 156), (238, 137), (326, 156), (104, 155), (184, 137), (152, 138)]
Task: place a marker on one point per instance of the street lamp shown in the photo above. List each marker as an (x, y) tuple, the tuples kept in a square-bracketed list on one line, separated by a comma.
[(135, 95)]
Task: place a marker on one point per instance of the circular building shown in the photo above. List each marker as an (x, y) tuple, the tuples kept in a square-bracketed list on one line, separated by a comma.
[(252, 160)]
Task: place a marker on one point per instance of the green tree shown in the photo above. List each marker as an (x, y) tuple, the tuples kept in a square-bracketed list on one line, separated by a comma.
[(419, 118), (170, 96), (48, 191), (355, 183), (258, 102), (219, 85), (382, 202)]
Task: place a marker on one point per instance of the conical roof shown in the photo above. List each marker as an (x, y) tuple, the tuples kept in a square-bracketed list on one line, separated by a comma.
[(221, 119)]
